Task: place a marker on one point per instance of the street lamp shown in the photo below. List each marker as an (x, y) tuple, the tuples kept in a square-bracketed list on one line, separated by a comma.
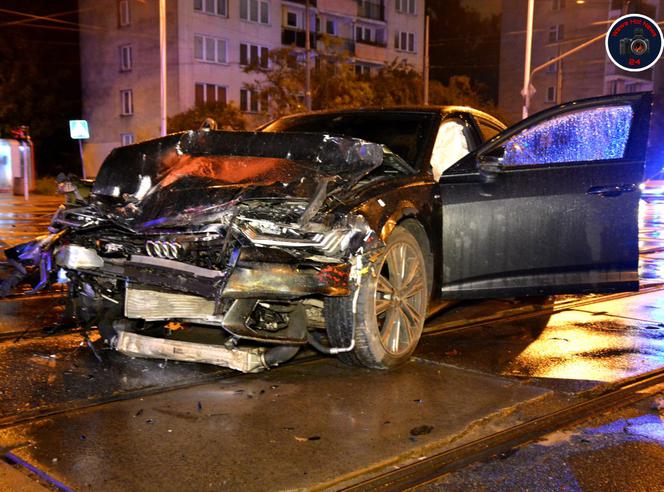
[(525, 91), (162, 65)]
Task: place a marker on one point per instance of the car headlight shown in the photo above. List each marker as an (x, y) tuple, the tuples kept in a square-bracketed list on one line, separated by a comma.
[(265, 233)]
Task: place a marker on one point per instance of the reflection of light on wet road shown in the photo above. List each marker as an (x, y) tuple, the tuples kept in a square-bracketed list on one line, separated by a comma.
[(651, 240), (595, 346)]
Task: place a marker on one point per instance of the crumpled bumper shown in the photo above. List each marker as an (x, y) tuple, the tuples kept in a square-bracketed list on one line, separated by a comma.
[(245, 359)]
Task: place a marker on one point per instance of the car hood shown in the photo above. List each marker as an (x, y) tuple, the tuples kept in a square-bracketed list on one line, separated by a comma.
[(165, 177)]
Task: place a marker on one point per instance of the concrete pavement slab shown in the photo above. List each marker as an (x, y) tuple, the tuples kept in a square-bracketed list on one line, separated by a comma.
[(15, 480), (291, 428)]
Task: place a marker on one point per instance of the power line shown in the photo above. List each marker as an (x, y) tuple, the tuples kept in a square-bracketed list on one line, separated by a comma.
[(33, 17)]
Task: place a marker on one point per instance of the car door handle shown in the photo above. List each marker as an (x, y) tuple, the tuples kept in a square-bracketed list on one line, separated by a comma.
[(611, 190)]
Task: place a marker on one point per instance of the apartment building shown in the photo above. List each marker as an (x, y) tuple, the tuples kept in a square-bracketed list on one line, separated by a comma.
[(209, 42), (559, 26)]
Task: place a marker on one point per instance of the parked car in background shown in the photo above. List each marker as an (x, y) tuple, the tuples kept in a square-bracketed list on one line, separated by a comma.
[(346, 229)]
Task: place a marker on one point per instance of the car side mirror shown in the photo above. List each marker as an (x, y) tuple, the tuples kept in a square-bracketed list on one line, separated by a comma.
[(490, 164)]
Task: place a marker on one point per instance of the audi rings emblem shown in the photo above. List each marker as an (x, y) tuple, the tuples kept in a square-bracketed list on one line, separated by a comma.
[(164, 249)]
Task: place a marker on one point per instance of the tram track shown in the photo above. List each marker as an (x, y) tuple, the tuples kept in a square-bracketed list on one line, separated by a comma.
[(309, 356), (431, 468)]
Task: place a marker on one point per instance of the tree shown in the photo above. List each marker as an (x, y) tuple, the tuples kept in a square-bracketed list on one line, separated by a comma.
[(39, 80), (333, 80), (460, 90), (280, 81), (227, 116), (397, 83)]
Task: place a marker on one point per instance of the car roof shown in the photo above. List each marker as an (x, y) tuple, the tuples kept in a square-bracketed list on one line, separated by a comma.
[(441, 109)]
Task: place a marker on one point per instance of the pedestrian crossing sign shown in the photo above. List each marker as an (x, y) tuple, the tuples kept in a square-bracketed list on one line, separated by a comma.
[(78, 129)]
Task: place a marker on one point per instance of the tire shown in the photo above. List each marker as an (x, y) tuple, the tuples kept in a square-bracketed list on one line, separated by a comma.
[(389, 315)]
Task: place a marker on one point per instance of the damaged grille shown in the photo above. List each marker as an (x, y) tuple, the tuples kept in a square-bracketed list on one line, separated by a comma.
[(171, 250)]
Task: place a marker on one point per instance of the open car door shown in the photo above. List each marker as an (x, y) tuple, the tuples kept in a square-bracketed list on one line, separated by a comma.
[(549, 205)]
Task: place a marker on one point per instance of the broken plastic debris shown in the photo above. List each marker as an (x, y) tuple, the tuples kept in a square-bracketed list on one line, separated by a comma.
[(421, 430)]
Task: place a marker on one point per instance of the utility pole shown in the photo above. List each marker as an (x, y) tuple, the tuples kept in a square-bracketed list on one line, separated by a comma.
[(525, 91), (162, 64), (425, 75), (307, 51)]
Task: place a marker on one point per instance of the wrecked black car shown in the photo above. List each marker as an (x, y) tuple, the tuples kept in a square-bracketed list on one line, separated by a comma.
[(345, 230)]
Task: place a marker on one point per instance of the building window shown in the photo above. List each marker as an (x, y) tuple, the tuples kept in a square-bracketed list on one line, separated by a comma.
[(405, 6), (370, 35), (555, 4), (127, 138), (551, 94), (292, 19), (631, 88), (556, 33), (362, 70), (613, 87), (215, 7), (553, 68), (251, 54), (251, 102), (206, 93), (126, 102), (124, 19), (404, 41), (209, 49), (331, 28), (125, 58), (255, 11)]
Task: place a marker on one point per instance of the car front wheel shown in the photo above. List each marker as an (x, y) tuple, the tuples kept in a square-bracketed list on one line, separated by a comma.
[(390, 307)]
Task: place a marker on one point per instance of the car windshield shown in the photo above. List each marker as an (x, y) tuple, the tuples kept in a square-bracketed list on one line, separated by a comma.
[(403, 132)]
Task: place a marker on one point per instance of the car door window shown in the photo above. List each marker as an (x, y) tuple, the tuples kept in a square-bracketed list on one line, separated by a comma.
[(450, 146), (594, 134), (488, 130)]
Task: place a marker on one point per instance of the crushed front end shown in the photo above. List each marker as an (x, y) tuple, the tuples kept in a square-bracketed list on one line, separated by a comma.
[(234, 234)]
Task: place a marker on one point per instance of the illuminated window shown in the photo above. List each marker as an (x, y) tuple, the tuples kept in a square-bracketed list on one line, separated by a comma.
[(255, 11), (127, 138), (215, 7), (205, 93), (124, 19), (125, 58), (209, 49), (126, 102), (593, 134), (251, 54)]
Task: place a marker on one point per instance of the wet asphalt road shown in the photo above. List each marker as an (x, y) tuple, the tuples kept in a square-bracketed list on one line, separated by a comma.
[(321, 419)]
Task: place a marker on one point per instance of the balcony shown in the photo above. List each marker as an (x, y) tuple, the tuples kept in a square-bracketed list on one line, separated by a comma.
[(336, 45), (370, 50), (380, 44), (371, 9), (312, 3), (297, 37)]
